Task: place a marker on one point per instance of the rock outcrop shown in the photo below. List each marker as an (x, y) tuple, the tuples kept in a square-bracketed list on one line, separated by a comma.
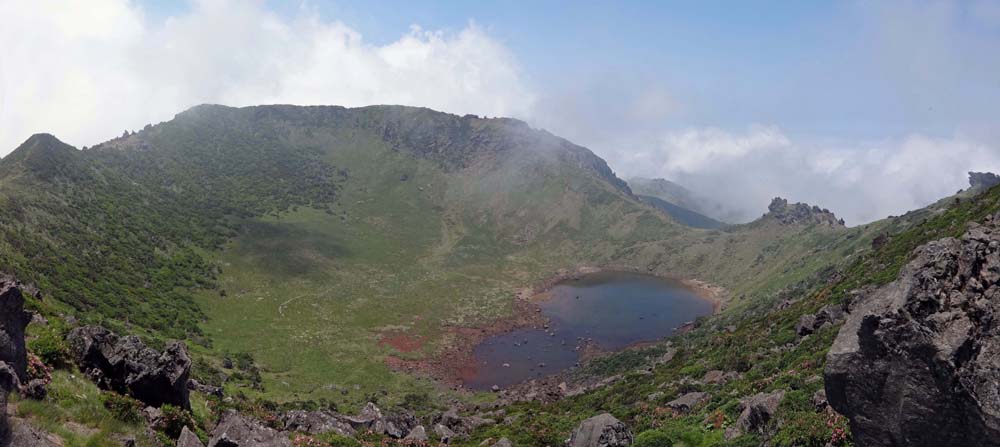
[(13, 320), (127, 366), (444, 434), (918, 361), (235, 430), (460, 426), (317, 422), (983, 180), (827, 315), (396, 424), (417, 436), (688, 401), (23, 434), (188, 439), (801, 214), (603, 430), (13, 357), (757, 410)]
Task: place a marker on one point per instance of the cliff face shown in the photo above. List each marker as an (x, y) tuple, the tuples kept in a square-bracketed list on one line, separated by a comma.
[(918, 361)]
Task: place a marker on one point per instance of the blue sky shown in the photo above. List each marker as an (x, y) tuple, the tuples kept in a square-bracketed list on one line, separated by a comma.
[(809, 65), (867, 108)]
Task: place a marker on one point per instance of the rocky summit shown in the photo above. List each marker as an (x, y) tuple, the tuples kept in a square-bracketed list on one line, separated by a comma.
[(983, 180), (801, 214), (918, 361)]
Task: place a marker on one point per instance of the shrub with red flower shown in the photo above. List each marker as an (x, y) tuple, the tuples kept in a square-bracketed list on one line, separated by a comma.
[(38, 369)]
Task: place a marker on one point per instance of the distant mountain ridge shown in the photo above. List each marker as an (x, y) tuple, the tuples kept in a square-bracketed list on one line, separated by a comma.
[(683, 215), (680, 196)]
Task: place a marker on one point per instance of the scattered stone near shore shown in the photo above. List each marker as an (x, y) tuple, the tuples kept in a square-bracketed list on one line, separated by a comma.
[(916, 362), (603, 430), (127, 366)]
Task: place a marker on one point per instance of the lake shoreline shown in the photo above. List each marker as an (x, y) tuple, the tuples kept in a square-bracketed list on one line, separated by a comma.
[(455, 360)]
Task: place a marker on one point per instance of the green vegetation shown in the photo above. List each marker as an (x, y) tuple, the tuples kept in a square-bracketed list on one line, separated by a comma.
[(82, 415)]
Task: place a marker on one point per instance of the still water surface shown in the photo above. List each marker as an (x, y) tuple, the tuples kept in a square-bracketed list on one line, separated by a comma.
[(611, 310)]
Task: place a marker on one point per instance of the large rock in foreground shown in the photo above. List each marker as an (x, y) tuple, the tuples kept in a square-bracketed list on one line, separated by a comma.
[(126, 365), (13, 320), (603, 430), (918, 361)]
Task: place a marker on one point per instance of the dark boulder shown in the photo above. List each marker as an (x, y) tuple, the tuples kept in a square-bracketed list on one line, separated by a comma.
[(918, 361), (806, 325), (235, 430), (8, 379), (13, 320), (819, 400), (4, 423), (603, 430), (127, 366), (36, 389)]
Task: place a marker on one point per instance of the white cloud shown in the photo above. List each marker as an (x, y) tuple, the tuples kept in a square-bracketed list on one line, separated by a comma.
[(85, 71), (860, 182)]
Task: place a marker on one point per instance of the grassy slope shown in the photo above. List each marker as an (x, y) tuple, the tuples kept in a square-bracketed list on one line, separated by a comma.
[(307, 293)]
